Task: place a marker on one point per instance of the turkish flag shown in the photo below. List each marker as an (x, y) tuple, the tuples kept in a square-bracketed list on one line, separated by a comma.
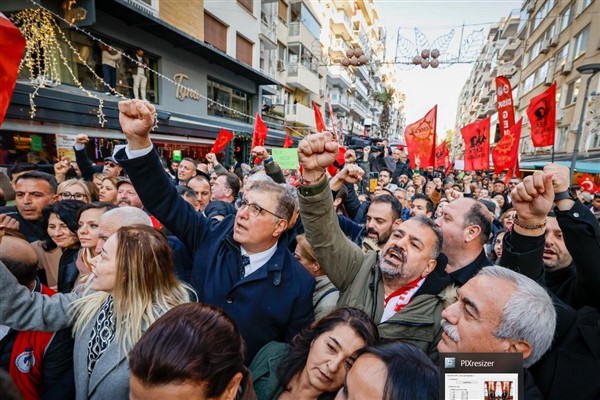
[(441, 156), (221, 141), (542, 117), (260, 132), (12, 46), (288, 141), (477, 145), (420, 139), (506, 152), (319, 118)]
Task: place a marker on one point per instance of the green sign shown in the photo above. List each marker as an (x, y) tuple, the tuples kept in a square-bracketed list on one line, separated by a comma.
[(36, 143), (176, 155), (286, 158)]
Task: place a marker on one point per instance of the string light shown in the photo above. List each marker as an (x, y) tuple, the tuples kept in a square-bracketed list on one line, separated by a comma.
[(210, 101)]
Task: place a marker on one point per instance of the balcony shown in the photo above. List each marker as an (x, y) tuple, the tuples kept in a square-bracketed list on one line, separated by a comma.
[(338, 75), (358, 108), (339, 102), (338, 48), (300, 114), (511, 25), (361, 89), (363, 72), (507, 51), (268, 32), (299, 33), (303, 77), (341, 24)]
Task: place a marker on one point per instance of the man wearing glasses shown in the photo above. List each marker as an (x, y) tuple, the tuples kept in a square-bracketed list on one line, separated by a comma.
[(110, 168), (241, 264)]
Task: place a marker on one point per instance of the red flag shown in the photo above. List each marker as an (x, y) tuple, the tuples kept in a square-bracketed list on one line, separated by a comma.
[(339, 161), (260, 132), (332, 116), (441, 156), (420, 139), (288, 141), (542, 117), (221, 141), (477, 145), (506, 110), (319, 118), (506, 152), (12, 46)]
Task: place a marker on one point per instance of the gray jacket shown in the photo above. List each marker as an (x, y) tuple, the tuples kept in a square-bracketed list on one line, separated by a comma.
[(23, 310)]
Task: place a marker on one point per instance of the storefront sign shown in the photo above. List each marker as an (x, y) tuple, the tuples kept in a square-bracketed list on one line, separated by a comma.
[(182, 92), (64, 146), (36, 143), (286, 158)]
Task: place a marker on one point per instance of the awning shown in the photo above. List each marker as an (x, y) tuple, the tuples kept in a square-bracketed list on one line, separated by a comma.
[(590, 167)]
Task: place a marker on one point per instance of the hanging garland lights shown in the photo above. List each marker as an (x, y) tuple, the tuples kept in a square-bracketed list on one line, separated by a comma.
[(43, 16)]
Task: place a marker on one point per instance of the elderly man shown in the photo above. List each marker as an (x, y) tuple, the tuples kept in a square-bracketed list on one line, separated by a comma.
[(241, 264), (127, 195), (110, 168), (399, 287), (499, 310), (34, 190)]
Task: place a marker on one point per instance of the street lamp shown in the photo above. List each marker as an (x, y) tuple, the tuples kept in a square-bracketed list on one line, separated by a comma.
[(591, 70)]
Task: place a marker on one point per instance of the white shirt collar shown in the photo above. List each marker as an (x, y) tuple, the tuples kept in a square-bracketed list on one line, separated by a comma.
[(259, 259)]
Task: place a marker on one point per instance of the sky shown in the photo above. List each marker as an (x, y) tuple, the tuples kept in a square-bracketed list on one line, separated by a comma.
[(425, 88)]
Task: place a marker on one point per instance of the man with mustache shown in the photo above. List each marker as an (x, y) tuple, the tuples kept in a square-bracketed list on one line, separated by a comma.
[(400, 286)]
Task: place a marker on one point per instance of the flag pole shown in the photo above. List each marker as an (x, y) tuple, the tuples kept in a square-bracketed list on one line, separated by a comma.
[(552, 153)]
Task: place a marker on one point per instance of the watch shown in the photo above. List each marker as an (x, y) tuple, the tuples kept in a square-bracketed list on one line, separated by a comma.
[(571, 193)]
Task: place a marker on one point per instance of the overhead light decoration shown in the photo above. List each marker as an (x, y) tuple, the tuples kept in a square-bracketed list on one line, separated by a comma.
[(354, 57), (427, 59)]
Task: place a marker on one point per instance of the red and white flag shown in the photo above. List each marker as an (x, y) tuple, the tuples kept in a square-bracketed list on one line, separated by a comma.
[(477, 145), (12, 46)]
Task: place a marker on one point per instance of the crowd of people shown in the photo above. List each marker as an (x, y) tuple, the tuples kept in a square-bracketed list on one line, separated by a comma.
[(147, 278)]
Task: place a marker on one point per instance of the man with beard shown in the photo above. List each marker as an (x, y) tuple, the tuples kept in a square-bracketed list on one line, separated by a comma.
[(400, 287), (127, 195)]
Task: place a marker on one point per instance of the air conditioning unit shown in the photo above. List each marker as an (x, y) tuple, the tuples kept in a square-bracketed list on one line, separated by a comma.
[(531, 6), (566, 68), (549, 79), (280, 65), (545, 46), (554, 40)]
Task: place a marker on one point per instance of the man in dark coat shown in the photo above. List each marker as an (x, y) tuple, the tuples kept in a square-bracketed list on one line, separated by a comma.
[(242, 263)]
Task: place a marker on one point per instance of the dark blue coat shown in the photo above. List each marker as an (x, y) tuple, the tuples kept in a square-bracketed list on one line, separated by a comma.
[(273, 303)]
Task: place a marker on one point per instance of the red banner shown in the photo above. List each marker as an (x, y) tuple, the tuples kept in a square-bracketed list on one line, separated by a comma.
[(221, 141), (506, 152), (319, 118), (12, 46), (260, 132), (506, 110), (477, 145), (442, 158), (420, 139), (288, 141), (542, 117)]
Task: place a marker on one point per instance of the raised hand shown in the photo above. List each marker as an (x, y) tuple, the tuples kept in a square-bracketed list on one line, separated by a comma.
[(8, 222), (316, 152), (136, 118), (260, 152), (560, 177), (211, 158), (82, 139), (533, 198), (351, 173)]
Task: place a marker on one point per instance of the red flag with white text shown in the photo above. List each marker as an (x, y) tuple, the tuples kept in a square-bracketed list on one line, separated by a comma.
[(319, 118), (12, 46), (420, 140), (477, 145), (506, 110), (542, 117), (221, 141), (506, 153)]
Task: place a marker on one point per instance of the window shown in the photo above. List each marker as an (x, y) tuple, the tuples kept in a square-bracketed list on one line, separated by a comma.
[(247, 4), (283, 11), (529, 83), (567, 16), (561, 55), (230, 97), (541, 73), (215, 32), (580, 42), (542, 13), (243, 50), (572, 92)]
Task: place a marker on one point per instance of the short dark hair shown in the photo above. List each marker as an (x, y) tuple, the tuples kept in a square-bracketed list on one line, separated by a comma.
[(192, 342), (186, 191), (300, 345), (392, 201), (437, 246), (476, 216), (97, 205), (386, 170), (410, 373), (41, 176), (67, 212), (427, 200), (233, 182), (21, 167), (24, 272), (190, 160)]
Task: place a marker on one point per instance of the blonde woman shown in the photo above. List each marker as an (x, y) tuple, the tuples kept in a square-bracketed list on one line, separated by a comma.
[(73, 189), (108, 190), (132, 285)]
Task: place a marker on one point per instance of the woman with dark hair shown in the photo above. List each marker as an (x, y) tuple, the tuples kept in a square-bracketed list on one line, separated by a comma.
[(391, 371), (57, 251), (88, 218), (194, 351), (315, 363)]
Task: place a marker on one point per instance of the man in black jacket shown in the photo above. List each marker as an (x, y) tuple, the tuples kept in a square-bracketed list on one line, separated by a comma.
[(402, 167)]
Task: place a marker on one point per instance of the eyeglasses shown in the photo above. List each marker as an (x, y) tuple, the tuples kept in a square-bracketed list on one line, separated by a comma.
[(513, 183), (76, 196), (255, 210), (110, 164)]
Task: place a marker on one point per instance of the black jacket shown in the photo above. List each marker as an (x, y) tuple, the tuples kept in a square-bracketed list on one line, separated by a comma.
[(32, 230)]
